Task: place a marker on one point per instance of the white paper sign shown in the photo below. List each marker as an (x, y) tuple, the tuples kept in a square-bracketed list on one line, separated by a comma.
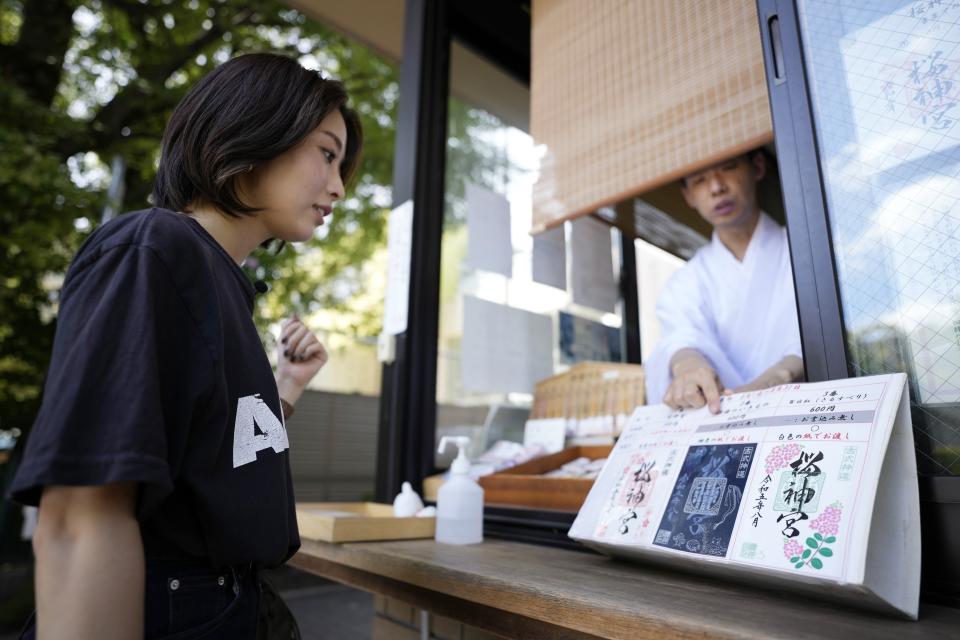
[(550, 258), (504, 349), (399, 239), (784, 487), (489, 246), (549, 433), (591, 265)]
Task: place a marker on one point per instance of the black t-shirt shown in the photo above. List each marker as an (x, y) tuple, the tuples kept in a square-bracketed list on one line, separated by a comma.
[(158, 376)]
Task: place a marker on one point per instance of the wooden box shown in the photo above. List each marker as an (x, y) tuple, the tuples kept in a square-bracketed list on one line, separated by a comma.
[(523, 485), (358, 521)]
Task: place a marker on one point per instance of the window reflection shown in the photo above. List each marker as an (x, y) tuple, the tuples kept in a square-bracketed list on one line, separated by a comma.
[(886, 94), (491, 157)]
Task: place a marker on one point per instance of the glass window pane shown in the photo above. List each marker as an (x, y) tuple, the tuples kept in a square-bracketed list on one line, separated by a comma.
[(487, 284), (885, 88)]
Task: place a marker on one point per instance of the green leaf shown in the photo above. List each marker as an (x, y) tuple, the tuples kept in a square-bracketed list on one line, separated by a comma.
[(806, 553), (818, 536), (799, 565), (813, 544), (794, 558), (826, 552), (831, 539), (816, 564)]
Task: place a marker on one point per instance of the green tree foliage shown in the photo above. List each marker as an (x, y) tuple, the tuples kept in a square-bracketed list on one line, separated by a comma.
[(86, 88), (38, 204), (84, 83), (472, 157)]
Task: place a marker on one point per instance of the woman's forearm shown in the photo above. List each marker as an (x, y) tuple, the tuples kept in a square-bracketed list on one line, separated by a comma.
[(90, 567)]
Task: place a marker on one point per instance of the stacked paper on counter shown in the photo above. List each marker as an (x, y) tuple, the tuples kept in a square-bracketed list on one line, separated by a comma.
[(810, 487)]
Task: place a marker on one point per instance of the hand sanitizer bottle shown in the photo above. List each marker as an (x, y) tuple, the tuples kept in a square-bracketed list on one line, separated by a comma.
[(459, 500)]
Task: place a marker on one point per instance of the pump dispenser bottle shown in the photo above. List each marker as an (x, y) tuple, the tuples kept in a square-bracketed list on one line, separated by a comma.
[(459, 500)]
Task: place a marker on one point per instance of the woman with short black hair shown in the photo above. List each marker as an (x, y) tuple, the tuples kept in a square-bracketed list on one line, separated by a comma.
[(159, 457)]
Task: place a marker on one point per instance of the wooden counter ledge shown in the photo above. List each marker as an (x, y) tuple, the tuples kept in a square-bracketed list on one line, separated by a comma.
[(525, 591)]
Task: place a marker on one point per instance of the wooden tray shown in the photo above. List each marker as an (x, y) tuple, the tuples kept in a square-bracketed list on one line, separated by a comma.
[(358, 521), (432, 484), (523, 485)]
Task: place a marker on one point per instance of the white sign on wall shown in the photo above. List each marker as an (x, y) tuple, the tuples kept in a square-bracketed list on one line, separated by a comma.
[(591, 265), (504, 349), (399, 239), (550, 258), (489, 246)]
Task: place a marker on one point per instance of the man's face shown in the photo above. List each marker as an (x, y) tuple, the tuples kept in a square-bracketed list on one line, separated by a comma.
[(725, 194)]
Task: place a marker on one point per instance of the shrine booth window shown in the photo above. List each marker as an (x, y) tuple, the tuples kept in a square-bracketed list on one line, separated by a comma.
[(621, 104)]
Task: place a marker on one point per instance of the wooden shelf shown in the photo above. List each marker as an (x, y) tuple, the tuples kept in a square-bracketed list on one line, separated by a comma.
[(526, 591)]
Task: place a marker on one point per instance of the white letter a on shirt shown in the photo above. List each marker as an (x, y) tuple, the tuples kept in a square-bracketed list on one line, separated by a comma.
[(252, 412)]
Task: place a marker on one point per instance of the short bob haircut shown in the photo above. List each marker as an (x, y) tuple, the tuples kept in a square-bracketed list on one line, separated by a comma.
[(245, 112)]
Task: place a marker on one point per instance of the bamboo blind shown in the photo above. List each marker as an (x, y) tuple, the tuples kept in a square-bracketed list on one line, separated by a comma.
[(627, 95)]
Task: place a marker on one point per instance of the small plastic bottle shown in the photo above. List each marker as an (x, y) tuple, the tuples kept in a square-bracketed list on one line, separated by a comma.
[(459, 500), (407, 503)]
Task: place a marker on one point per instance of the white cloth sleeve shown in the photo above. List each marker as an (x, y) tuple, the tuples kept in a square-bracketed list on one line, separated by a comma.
[(684, 323)]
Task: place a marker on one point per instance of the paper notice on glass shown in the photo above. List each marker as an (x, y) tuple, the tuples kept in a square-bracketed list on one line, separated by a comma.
[(591, 265), (549, 433), (399, 239), (489, 247), (504, 349), (550, 258), (783, 487)]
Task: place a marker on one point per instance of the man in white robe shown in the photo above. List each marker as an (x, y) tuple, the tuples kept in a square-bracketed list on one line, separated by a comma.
[(728, 317)]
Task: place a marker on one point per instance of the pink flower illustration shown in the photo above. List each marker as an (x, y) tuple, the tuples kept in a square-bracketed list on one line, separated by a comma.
[(781, 456), (828, 522), (792, 549)]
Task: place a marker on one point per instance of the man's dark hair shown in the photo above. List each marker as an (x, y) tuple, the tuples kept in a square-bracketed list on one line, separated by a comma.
[(245, 112)]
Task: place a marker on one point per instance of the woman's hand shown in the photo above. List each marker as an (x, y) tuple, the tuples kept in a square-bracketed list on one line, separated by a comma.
[(300, 355)]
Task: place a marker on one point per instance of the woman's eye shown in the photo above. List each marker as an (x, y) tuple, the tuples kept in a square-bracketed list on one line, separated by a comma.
[(329, 155)]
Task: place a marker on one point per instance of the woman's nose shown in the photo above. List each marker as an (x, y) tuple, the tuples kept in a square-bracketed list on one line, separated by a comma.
[(335, 185)]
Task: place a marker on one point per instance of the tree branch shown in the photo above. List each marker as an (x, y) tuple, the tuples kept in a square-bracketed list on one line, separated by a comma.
[(35, 62), (177, 58), (137, 100), (140, 99)]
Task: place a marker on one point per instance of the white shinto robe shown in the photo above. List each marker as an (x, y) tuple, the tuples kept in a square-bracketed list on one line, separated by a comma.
[(742, 316)]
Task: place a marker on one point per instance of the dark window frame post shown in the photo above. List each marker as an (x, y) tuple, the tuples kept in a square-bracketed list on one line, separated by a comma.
[(808, 228), (408, 408), (629, 291)]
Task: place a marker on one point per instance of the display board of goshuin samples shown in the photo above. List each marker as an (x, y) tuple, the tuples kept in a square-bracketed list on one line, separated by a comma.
[(810, 487)]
